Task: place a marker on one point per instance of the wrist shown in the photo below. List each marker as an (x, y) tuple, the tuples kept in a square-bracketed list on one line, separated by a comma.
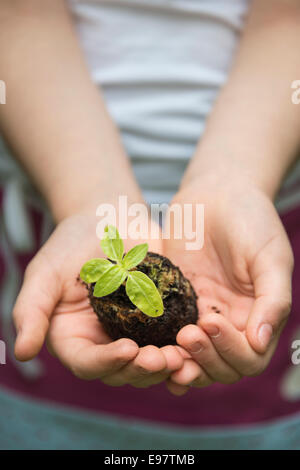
[(221, 167), (219, 183), (87, 203)]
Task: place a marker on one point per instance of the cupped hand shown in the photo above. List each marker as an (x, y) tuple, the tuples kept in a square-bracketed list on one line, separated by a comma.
[(242, 277), (53, 305)]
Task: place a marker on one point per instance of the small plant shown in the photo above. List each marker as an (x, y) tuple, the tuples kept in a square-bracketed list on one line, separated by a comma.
[(109, 275), (139, 295)]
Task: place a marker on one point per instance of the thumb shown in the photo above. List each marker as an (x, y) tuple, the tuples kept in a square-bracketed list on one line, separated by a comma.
[(272, 277), (39, 294)]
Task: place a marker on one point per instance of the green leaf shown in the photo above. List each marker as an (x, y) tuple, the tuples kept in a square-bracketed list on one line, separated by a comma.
[(143, 293), (110, 280), (135, 256), (112, 244), (93, 269)]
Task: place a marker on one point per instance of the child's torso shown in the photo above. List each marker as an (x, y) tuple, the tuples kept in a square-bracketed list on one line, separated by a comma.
[(160, 64)]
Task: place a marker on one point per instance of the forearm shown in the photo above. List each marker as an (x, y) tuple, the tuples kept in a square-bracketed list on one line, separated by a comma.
[(254, 129), (55, 120)]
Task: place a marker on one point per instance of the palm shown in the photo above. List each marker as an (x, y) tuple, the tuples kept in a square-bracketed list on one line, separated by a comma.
[(62, 312), (73, 318), (236, 238), (216, 293), (73, 322)]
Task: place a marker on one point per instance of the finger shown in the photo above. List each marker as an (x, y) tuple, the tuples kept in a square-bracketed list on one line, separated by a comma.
[(34, 305), (201, 381), (148, 363), (189, 372), (174, 361), (89, 361), (202, 350), (174, 358), (233, 346), (272, 277), (175, 389), (152, 379), (184, 353)]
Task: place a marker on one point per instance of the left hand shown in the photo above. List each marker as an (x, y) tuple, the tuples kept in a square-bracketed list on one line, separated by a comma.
[(52, 305), (242, 277)]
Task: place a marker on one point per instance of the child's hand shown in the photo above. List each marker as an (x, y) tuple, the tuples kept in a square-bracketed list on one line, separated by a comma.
[(53, 303), (242, 276)]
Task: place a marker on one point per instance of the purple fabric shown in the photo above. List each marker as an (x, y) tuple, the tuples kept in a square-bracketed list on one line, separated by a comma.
[(248, 401)]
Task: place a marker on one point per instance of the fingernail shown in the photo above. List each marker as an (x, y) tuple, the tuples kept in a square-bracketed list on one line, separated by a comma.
[(212, 330), (196, 348), (265, 333)]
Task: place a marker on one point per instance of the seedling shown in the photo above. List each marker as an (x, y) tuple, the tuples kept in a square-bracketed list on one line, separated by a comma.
[(139, 295), (109, 274)]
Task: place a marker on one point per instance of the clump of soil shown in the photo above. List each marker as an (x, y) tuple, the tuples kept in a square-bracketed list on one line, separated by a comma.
[(121, 318)]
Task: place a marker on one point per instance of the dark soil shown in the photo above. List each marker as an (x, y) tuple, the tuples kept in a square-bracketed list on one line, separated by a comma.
[(120, 318)]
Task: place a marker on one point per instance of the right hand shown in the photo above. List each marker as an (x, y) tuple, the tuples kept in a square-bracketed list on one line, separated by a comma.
[(245, 269), (53, 304)]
